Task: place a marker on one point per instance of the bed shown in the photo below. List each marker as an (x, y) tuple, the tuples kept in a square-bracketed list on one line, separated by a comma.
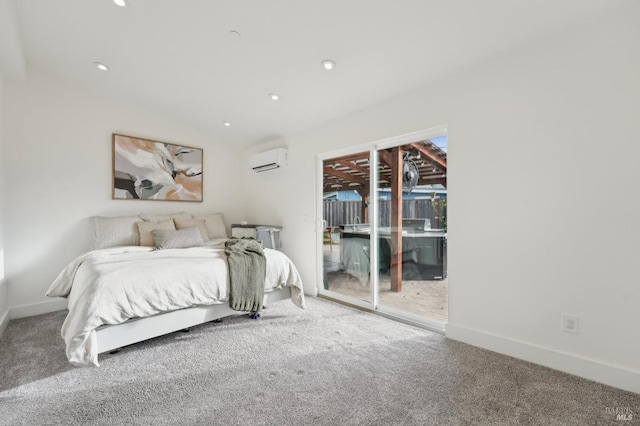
[(128, 293)]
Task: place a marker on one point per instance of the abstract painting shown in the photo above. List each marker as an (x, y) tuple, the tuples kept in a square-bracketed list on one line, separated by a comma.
[(149, 170)]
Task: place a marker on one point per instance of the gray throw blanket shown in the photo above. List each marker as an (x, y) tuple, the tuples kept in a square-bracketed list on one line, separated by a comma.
[(247, 273)]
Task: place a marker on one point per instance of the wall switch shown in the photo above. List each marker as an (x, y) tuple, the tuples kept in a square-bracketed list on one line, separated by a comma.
[(569, 323)]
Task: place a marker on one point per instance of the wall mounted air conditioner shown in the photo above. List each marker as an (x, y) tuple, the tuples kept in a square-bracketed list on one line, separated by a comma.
[(269, 160)]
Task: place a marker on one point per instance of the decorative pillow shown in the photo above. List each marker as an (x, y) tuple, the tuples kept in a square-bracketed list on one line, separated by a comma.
[(180, 238), (114, 231), (145, 228), (162, 217), (216, 242), (215, 225), (198, 223)]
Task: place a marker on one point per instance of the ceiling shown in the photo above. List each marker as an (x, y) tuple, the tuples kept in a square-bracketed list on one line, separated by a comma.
[(179, 58)]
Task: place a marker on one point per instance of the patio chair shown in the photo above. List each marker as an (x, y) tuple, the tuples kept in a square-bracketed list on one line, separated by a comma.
[(327, 235)]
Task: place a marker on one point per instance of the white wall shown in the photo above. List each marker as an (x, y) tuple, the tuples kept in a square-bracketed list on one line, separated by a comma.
[(58, 141), (4, 295), (552, 130)]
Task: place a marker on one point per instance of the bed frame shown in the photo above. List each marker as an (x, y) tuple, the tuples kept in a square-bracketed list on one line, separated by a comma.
[(111, 337)]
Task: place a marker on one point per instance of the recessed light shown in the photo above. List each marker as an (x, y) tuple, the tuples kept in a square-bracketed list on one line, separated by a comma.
[(328, 64), (274, 96), (235, 34), (121, 3), (226, 124), (101, 66)]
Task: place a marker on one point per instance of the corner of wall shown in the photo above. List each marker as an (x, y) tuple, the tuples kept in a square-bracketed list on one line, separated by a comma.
[(4, 291), (4, 309), (4, 321)]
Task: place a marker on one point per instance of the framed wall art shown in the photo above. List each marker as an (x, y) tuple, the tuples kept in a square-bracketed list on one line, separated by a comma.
[(144, 169)]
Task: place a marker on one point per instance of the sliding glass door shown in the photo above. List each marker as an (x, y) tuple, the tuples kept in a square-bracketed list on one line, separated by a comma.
[(411, 194), (384, 227), (346, 249)]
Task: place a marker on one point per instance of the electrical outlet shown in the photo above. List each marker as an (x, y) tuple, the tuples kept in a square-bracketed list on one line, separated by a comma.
[(569, 323)]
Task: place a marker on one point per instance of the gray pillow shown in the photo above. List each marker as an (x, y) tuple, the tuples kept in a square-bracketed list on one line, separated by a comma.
[(181, 238)]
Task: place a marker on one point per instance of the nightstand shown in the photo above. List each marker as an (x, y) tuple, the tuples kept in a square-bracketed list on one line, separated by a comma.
[(269, 235)]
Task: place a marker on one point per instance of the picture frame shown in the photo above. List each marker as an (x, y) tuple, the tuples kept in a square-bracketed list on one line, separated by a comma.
[(144, 169)]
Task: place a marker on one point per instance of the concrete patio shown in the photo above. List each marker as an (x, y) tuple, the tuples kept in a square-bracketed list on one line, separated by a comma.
[(426, 298)]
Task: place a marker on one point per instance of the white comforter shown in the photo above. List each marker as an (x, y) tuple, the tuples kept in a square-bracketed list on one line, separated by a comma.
[(110, 286)]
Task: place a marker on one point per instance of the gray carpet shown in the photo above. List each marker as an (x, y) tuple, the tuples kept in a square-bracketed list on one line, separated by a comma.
[(327, 365)]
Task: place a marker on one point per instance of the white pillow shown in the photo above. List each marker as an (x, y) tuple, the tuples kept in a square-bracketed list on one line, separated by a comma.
[(150, 217), (215, 225), (180, 238), (145, 228), (114, 231), (198, 223)]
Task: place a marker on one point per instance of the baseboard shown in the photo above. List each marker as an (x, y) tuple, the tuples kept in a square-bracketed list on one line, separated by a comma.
[(37, 308), (4, 321), (597, 371), (4, 310)]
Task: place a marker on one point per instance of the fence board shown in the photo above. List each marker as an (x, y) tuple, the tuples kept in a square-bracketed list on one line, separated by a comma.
[(337, 213)]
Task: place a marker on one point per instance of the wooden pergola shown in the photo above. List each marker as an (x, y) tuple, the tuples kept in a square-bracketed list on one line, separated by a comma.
[(351, 172)]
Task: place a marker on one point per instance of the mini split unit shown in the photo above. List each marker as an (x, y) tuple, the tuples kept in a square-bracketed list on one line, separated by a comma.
[(268, 160)]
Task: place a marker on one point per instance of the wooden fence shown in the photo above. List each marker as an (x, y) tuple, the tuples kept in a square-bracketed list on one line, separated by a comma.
[(337, 213)]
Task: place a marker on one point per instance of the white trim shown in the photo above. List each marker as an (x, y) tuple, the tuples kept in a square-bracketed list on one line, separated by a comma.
[(4, 314), (373, 220), (37, 308), (349, 300), (4, 322), (420, 135), (344, 151), (411, 318), (414, 320), (416, 136), (319, 228), (434, 326), (590, 369)]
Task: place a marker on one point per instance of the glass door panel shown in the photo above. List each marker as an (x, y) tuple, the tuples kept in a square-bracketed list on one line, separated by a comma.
[(411, 196), (346, 247)]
